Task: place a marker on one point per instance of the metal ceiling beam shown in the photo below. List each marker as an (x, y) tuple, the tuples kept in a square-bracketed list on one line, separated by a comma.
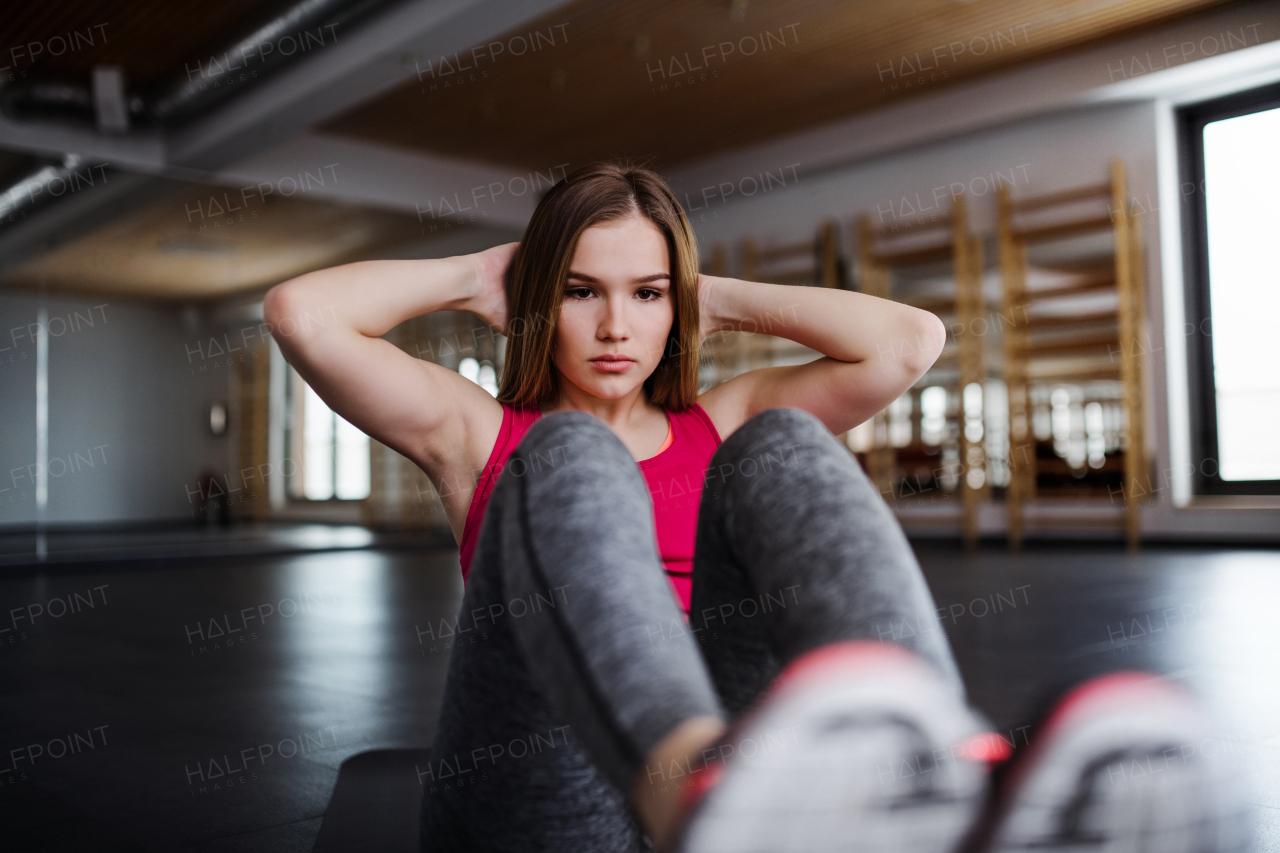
[(374, 57), (432, 188)]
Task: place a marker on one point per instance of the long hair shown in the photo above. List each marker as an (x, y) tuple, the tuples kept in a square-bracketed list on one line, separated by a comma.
[(600, 192)]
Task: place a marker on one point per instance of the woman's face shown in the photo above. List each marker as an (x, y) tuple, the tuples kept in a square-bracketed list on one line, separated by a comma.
[(617, 302)]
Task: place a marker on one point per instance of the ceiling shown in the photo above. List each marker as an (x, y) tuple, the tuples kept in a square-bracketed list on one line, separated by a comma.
[(670, 80), (607, 75), (148, 38), (181, 246)]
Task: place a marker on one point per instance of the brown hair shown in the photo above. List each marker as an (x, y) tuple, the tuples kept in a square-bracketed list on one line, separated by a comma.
[(600, 192)]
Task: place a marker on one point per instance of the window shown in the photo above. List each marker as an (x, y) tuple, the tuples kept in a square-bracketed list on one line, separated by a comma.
[(1231, 179), (481, 373), (331, 457)]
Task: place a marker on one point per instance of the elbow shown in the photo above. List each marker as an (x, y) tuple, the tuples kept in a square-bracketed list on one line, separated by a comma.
[(929, 336), (274, 308), (288, 316)]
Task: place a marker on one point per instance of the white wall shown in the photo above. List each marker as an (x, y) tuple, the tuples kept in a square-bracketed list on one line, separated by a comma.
[(1040, 155), (123, 394)]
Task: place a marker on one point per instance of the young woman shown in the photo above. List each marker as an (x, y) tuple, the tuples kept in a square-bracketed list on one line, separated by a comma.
[(589, 700)]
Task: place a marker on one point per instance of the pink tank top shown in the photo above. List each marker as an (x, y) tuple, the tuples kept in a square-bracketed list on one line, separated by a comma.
[(675, 476)]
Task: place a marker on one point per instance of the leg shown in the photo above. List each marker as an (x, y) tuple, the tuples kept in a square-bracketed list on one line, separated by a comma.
[(800, 575), (795, 550), (561, 685)]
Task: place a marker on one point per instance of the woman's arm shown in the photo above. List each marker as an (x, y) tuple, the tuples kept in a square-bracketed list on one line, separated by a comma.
[(329, 324), (873, 350)]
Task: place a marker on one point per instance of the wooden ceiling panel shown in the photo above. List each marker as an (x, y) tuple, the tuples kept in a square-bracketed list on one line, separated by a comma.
[(620, 77), (193, 246)]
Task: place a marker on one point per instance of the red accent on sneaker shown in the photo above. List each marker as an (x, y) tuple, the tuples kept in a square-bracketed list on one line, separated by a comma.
[(812, 663), (1116, 683), (988, 747)]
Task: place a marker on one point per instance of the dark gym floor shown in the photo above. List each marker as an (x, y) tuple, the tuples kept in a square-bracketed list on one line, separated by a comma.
[(205, 704)]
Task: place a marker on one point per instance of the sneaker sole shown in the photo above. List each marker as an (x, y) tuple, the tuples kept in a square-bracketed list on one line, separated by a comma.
[(858, 746)]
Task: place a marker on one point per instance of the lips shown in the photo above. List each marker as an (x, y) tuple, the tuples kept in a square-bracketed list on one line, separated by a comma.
[(613, 363)]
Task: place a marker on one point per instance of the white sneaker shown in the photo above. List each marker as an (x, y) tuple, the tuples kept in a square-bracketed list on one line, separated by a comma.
[(857, 746), (1126, 763)]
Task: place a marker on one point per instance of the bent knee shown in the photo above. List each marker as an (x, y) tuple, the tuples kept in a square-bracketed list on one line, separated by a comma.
[(561, 426), (783, 422), (562, 435)]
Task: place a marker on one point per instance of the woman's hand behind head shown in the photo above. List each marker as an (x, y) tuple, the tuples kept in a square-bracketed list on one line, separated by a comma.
[(489, 296), (708, 321)]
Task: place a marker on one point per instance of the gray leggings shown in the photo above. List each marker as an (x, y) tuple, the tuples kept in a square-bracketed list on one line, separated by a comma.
[(571, 659)]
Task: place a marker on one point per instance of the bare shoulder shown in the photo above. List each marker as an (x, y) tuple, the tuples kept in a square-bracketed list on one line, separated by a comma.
[(469, 435), (735, 401), (727, 405), (454, 453)]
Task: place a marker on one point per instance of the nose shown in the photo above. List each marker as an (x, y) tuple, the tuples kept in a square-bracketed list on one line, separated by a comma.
[(614, 322)]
